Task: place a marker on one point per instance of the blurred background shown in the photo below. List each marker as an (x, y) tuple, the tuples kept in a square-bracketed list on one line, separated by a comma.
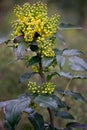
[(71, 11)]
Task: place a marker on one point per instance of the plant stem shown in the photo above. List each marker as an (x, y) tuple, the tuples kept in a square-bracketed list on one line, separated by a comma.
[(67, 87), (41, 72), (51, 117), (42, 75)]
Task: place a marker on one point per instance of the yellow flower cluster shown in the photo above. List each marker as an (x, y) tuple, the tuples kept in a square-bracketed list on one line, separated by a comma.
[(35, 68), (33, 105), (46, 88), (32, 20), (32, 86), (46, 47)]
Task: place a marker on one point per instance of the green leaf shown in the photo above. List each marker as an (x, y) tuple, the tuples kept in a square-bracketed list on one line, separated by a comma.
[(47, 61), (34, 60), (60, 103), (25, 76), (71, 52), (60, 61), (49, 76), (63, 26), (64, 114), (77, 96), (46, 101), (34, 47), (51, 101), (57, 51), (61, 38), (37, 121), (14, 109), (77, 64)]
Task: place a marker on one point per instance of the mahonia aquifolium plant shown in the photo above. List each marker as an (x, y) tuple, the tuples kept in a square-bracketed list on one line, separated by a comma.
[(34, 25), (34, 37)]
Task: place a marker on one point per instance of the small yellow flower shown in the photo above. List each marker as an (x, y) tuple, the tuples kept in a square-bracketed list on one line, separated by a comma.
[(34, 19), (45, 88)]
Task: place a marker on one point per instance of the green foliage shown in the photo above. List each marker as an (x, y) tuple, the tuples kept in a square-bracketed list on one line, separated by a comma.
[(25, 76), (14, 109), (34, 60), (64, 114), (37, 121), (48, 101), (77, 96), (63, 26), (76, 125), (35, 34)]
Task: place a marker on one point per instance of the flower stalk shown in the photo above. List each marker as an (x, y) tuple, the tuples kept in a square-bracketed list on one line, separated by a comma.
[(42, 75)]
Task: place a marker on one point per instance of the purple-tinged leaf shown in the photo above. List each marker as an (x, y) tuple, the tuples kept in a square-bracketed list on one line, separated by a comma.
[(76, 125), (18, 39)]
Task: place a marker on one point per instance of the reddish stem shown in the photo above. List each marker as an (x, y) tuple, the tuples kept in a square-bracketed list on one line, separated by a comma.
[(41, 73), (43, 81)]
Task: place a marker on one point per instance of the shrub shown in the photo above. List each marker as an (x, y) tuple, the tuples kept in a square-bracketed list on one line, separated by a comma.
[(35, 32)]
